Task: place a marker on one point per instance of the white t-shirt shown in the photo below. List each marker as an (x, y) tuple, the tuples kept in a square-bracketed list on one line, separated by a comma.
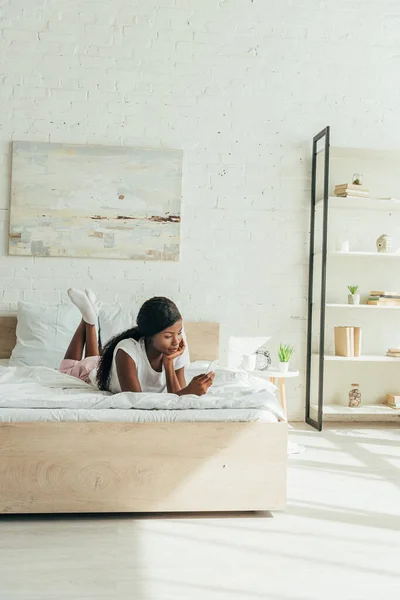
[(149, 379)]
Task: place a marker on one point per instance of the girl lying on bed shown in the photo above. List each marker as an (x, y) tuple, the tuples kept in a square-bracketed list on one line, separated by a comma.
[(150, 357)]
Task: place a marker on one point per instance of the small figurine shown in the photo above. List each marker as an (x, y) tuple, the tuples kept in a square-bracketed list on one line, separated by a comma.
[(384, 243)]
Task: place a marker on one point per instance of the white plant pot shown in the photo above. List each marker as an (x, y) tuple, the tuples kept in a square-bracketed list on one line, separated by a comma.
[(284, 367), (354, 299)]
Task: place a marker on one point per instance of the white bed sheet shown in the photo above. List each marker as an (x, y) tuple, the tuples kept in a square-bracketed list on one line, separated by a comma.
[(18, 415), (40, 393)]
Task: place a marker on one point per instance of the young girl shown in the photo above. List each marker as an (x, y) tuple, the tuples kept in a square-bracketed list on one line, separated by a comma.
[(150, 357)]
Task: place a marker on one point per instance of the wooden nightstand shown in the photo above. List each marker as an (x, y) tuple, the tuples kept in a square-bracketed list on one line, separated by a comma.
[(273, 374)]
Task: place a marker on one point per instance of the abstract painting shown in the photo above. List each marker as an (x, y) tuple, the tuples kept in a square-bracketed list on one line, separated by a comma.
[(95, 201)]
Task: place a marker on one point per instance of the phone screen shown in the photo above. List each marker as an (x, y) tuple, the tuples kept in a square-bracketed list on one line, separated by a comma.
[(212, 366)]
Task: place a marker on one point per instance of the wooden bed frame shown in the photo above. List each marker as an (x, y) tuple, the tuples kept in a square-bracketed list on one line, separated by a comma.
[(52, 467)]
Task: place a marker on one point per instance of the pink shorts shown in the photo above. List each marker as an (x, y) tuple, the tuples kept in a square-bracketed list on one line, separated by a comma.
[(80, 369)]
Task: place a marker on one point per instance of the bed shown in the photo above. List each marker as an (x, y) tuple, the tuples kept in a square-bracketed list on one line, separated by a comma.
[(66, 460)]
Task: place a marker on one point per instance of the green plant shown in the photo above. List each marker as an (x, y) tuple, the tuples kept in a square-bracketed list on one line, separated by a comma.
[(353, 289), (285, 352), (357, 181)]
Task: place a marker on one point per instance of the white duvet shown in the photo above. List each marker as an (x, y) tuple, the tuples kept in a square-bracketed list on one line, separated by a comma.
[(44, 388)]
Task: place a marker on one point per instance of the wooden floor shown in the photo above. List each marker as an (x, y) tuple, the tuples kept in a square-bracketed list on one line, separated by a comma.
[(338, 539)]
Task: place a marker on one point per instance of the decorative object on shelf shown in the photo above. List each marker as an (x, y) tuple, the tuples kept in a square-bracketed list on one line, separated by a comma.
[(263, 359), (353, 297), (351, 190), (249, 362), (344, 341), (357, 332), (285, 353), (357, 179), (348, 341), (344, 246), (393, 400), (379, 298), (384, 243), (354, 395)]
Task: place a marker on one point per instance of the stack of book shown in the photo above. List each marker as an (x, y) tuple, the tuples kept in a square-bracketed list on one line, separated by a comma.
[(351, 190), (347, 341), (379, 298), (393, 352), (393, 401)]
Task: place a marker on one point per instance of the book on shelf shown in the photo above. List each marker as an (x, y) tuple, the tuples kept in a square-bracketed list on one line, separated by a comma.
[(383, 298), (394, 350), (348, 341), (351, 196), (351, 186), (352, 193), (388, 302), (383, 304), (379, 294), (393, 354), (393, 400)]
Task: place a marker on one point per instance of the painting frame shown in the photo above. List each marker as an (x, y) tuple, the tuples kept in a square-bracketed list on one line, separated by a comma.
[(92, 201)]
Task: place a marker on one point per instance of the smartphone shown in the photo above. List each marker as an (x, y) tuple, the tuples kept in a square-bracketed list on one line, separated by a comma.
[(212, 366)]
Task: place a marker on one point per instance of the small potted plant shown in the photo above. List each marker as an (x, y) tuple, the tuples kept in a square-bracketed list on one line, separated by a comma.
[(353, 297), (285, 353)]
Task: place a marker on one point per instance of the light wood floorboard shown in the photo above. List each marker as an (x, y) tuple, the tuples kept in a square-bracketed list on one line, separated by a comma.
[(338, 539)]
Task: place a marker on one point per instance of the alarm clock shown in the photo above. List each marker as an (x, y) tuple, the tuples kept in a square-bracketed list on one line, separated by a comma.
[(263, 359)]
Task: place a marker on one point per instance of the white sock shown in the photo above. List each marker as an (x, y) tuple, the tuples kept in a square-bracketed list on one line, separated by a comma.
[(83, 303), (93, 300)]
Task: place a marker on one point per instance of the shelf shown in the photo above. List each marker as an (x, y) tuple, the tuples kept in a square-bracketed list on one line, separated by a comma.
[(373, 412), (361, 203), (362, 306), (381, 255), (355, 253), (364, 358)]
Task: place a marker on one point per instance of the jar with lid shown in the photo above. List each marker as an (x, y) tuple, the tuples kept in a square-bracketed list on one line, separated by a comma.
[(354, 395)]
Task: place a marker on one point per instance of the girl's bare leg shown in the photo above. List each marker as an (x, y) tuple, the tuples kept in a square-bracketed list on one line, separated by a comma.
[(91, 348), (77, 344)]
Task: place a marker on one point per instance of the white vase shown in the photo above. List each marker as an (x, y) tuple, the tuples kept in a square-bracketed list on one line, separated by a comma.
[(284, 367), (354, 299)]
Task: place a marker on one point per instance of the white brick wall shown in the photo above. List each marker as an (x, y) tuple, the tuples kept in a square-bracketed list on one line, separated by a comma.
[(240, 86)]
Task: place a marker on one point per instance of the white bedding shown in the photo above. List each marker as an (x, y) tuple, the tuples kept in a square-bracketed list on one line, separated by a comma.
[(15, 415), (40, 393)]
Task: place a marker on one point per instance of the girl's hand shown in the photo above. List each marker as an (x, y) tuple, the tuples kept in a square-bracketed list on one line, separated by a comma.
[(200, 384), (169, 358)]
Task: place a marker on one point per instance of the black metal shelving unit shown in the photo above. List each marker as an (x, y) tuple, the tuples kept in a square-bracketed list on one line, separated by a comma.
[(322, 141)]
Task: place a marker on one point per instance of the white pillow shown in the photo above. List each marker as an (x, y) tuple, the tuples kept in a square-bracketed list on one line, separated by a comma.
[(114, 319), (43, 334)]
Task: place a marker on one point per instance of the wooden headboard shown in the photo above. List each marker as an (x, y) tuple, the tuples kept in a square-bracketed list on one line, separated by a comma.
[(7, 335), (203, 338)]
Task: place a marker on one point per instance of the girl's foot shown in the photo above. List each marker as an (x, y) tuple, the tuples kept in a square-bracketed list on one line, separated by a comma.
[(83, 303), (93, 301)]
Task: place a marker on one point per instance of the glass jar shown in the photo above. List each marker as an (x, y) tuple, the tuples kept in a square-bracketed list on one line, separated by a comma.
[(354, 395), (357, 179)]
